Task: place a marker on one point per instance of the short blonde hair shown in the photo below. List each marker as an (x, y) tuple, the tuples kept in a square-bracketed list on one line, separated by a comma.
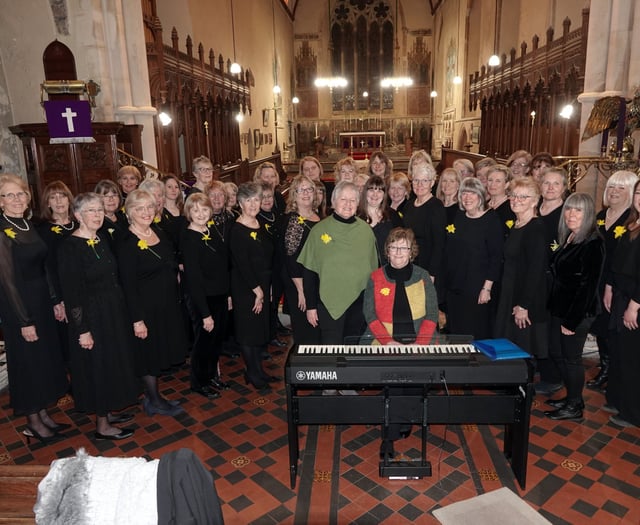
[(7, 178), (197, 199), (129, 170), (347, 161), (136, 197)]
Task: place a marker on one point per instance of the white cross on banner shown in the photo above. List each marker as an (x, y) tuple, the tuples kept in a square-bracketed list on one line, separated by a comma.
[(69, 121)]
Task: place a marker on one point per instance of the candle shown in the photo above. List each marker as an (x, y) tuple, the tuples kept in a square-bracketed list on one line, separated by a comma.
[(316, 129), (411, 128)]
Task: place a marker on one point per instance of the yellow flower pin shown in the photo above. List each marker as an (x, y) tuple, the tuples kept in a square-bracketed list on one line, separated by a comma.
[(56, 229), (92, 242), (326, 238), (385, 291), (554, 245), (111, 230), (451, 228), (509, 223), (142, 244), (619, 231), (254, 235), (300, 219), (206, 237), (211, 223), (156, 220), (267, 227), (600, 222), (10, 233)]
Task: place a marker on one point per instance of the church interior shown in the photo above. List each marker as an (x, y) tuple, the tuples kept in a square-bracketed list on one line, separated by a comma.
[(248, 81)]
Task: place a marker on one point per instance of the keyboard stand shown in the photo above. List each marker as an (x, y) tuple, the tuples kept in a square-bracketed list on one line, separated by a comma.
[(406, 469)]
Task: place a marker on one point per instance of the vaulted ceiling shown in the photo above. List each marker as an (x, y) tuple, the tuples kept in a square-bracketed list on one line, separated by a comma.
[(293, 4)]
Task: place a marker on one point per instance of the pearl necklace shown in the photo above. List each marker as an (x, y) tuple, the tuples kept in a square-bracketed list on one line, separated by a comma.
[(140, 234), (72, 225), (26, 228)]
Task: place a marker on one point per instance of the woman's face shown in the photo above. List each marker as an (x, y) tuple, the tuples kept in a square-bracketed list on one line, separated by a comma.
[(617, 195), (449, 185), (496, 184), (200, 215), (59, 203), (347, 173), (311, 170), (521, 202), (470, 200), (399, 253), (397, 193), (203, 173), (141, 215), (251, 205), (375, 196), (573, 219), (14, 201), (552, 186), (171, 190), (111, 201), (269, 176), (217, 198), (267, 201), (232, 199), (304, 195), (91, 216), (537, 169), (320, 195), (346, 203), (422, 184), (482, 175), (128, 182), (378, 166), (519, 167), (158, 196)]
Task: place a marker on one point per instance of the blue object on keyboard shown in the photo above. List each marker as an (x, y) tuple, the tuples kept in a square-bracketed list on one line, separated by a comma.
[(499, 349)]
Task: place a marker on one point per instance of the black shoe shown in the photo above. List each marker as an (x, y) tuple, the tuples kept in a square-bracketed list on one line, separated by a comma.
[(547, 389), (216, 382), (205, 391), (559, 403), (30, 433), (277, 343), (569, 412), (119, 418), (600, 380), (123, 434), (405, 432), (258, 385), (386, 450), (228, 352), (150, 409)]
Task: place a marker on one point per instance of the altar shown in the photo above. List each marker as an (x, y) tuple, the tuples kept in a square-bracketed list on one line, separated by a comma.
[(360, 144)]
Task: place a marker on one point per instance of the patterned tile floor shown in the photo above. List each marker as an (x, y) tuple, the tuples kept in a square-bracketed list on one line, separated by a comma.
[(578, 473)]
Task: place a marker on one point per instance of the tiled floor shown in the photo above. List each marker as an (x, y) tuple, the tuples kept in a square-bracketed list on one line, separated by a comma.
[(578, 473)]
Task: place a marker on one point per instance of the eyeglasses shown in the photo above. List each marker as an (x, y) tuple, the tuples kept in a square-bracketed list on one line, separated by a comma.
[(94, 211), (373, 188), (519, 165), (421, 182), (305, 190), (111, 196), (140, 209), (399, 249), (515, 197), (205, 170), (14, 196)]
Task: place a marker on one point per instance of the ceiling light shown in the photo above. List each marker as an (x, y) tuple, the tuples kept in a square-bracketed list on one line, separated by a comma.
[(164, 117)]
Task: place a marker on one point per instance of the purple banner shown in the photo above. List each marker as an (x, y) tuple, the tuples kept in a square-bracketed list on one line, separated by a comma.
[(69, 121)]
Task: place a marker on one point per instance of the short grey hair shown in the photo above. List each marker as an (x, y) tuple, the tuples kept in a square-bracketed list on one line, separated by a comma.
[(473, 185), (340, 188)]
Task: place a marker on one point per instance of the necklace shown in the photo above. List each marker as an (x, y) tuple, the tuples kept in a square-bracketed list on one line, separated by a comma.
[(26, 227), (139, 233), (71, 226), (266, 218)]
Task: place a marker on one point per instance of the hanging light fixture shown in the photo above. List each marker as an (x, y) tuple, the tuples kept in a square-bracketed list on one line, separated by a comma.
[(494, 60), (235, 67)]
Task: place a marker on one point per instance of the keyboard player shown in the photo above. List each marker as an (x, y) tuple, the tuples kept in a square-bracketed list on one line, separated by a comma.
[(400, 307)]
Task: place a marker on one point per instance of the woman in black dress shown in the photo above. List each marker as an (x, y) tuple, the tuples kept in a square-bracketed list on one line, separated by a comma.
[(37, 378), (298, 221), (376, 212), (56, 225), (622, 299), (251, 254), (206, 276), (447, 191), (574, 300), (522, 310), (149, 270), (115, 225), (425, 215), (100, 338), (473, 255), (498, 180), (617, 197)]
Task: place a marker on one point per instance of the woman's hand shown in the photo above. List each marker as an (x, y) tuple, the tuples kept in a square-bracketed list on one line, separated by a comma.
[(140, 329), (302, 301), (630, 317), (259, 300), (521, 316), (207, 323), (29, 333), (59, 312), (566, 331), (86, 340), (484, 296), (312, 317), (607, 297)]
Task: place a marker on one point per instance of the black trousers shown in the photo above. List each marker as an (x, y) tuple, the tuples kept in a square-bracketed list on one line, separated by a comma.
[(566, 351), (346, 328)]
